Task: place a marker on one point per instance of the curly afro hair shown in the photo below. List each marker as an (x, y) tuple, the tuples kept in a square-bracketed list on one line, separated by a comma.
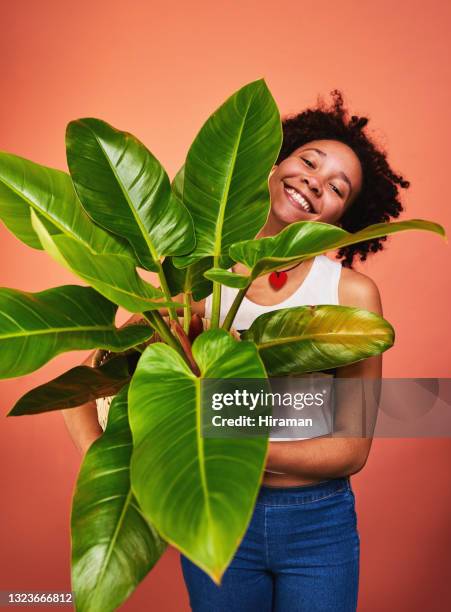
[(378, 199)]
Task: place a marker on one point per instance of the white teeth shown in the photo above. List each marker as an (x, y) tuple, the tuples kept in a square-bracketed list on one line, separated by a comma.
[(299, 199)]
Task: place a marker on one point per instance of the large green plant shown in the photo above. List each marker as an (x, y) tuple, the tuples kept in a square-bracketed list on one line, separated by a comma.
[(152, 478)]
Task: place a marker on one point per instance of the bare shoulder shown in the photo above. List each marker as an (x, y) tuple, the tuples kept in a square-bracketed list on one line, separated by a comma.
[(357, 289)]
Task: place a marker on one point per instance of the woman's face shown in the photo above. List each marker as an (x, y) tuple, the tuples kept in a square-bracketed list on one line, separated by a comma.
[(317, 182)]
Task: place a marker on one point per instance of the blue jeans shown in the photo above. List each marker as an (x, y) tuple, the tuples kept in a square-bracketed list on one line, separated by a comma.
[(300, 553)]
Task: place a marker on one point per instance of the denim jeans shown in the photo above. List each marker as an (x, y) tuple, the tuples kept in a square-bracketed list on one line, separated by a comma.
[(300, 553)]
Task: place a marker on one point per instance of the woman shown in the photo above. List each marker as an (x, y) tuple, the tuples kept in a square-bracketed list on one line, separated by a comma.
[(301, 549)]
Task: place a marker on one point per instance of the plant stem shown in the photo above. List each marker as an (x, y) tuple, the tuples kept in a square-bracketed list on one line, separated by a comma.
[(157, 322), (186, 346), (186, 311), (187, 294), (167, 294), (234, 309), (216, 302)]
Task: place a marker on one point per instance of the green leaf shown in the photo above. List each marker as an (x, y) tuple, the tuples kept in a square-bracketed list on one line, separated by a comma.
[(26, 186), (313, 338), (199, 492), (35, 327), (305, 239), (75, 387), (225, 277), (114, 276), (125, 189), (113, 545), (190, 279), (177, 183), (226, 172)]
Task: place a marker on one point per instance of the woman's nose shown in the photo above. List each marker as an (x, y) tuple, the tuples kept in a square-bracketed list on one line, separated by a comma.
[(313, 184)]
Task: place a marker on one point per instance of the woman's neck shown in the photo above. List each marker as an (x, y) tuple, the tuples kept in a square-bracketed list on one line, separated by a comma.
[(271, 228)]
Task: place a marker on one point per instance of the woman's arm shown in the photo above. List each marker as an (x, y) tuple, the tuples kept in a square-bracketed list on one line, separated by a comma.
[(328, 456), (82, 422)]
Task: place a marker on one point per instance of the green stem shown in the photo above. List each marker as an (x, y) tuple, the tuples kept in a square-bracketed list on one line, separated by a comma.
[(159, 325), (234, 309), (216, 301), (187, 294), (167, 294), (186, 311), (152, 319)]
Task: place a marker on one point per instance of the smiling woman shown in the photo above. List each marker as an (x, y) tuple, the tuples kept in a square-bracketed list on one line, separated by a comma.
[(328, 171)]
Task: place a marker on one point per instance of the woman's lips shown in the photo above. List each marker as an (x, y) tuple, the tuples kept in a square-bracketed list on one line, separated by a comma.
[(298, 205)]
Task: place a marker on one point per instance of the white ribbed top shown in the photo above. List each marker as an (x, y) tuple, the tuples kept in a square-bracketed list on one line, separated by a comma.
[(320, 286)]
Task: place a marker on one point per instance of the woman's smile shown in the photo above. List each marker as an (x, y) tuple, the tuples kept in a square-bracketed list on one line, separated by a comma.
[(299, 199)]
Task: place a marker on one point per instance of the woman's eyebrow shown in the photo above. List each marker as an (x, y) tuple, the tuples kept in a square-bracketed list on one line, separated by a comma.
[(317, 150), (340, 174)]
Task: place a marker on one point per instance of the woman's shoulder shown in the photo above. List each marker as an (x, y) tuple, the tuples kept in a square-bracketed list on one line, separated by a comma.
[(358, 289)]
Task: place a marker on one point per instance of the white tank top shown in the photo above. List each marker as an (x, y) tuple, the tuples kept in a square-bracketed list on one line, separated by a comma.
[(320, 286)]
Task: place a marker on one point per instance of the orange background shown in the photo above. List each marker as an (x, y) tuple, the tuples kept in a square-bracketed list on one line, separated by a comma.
[(158, 71)]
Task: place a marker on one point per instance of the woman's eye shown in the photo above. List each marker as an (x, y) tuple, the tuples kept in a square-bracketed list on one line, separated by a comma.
[(307, 162), (337, 191)]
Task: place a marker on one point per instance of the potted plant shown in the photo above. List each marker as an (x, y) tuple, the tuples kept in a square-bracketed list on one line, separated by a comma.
[(152, 478)]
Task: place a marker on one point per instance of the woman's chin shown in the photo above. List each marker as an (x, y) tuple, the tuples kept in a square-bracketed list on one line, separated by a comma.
[(288, 219), (279, 220)]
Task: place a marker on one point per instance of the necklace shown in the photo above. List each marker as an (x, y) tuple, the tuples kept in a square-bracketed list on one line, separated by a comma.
[(278, 279)]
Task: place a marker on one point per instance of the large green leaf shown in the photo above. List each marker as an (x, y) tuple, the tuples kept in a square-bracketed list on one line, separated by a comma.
[(199, 492), (75, 387), (313, 338), (125, 189), (190, 279), (113, 545), (114, 276), (226, 172), (35, 327), (26, 186), (303, 240)]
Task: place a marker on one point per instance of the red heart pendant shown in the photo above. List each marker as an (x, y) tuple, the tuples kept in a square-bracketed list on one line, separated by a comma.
[(277, 280)]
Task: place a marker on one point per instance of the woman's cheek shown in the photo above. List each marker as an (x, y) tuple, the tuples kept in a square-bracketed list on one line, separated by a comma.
[(331, 212)]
